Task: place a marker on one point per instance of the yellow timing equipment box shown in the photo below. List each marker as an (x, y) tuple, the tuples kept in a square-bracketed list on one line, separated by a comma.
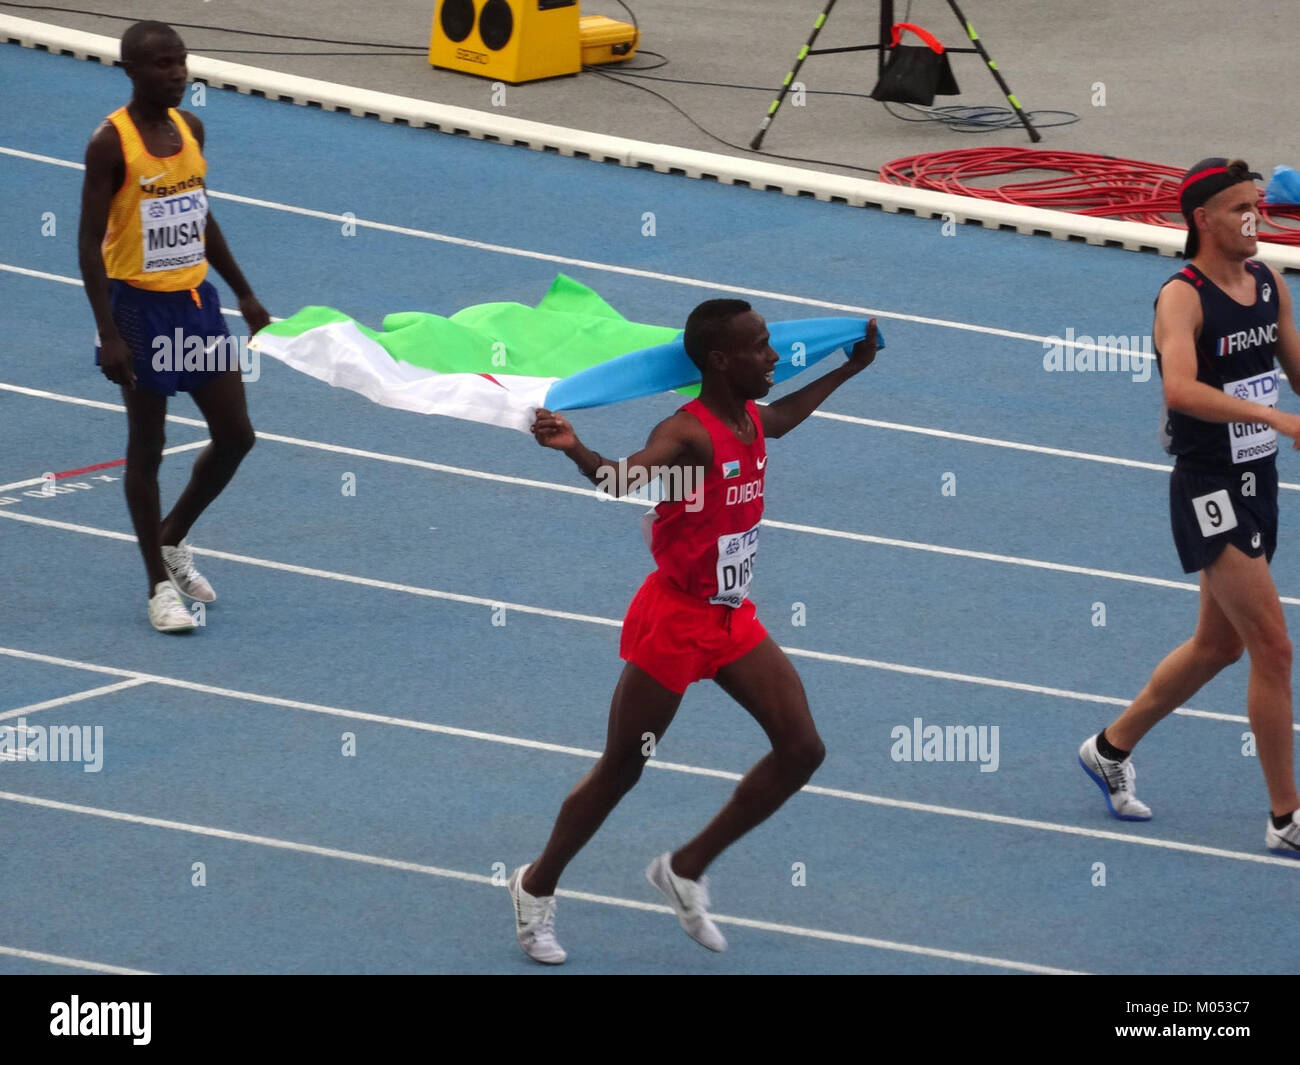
[(524, 40)]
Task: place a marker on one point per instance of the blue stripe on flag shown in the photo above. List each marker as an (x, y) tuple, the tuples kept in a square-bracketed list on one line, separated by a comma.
[(667, 366)]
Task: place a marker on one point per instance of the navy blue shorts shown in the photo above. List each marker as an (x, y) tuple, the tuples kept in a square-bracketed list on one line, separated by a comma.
[(157, 328), (1210, 509)]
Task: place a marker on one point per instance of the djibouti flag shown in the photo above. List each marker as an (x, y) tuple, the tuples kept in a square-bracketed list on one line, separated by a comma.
[(498, 362)]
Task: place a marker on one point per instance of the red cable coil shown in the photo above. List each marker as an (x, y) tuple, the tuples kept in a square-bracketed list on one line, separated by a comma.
[(1096, 185)]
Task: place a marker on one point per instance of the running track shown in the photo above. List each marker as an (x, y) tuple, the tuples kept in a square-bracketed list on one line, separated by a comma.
[(372, 615)]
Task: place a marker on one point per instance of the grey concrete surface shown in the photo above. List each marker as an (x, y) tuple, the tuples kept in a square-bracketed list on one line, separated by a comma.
[(1182, 79)]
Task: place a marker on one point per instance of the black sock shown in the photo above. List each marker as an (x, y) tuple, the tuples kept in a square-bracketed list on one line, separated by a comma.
[(1280, 821), (1108, 750)]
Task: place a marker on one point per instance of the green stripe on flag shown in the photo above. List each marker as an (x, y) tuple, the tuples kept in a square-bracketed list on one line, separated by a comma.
[(571, 329)]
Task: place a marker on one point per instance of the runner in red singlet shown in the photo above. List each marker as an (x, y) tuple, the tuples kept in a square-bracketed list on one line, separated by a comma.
[(691, 619)]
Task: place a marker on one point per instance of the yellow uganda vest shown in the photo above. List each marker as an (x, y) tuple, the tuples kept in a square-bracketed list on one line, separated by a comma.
[(157, 220)]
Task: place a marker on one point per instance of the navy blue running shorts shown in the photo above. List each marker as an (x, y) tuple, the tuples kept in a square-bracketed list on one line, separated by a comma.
[(1210, 509), (157, 328)]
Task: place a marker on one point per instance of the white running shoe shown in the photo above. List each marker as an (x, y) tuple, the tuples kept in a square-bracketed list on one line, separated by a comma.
[(1283, 840), (1116, 780), (166, 611), (179, 561), (535, 922), (689, 899)]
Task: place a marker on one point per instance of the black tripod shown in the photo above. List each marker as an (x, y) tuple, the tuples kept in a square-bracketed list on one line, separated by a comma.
[(881, 45)]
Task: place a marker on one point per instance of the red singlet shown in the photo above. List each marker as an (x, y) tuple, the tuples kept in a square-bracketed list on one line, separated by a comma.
[(706, 549), (691, 617)]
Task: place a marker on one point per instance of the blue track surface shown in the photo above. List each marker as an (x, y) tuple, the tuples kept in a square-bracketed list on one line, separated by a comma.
[(230, 752)]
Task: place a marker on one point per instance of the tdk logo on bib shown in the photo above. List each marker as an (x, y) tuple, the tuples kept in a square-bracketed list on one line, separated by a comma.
[(1248, 441), (1260, 389), (177, 207), (747, 539), (1245, 339)]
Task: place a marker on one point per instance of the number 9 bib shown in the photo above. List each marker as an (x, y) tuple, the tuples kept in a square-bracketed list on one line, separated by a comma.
[(1215, 513)]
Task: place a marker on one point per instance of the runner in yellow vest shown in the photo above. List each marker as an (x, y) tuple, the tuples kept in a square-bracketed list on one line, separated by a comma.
[(145, 242)]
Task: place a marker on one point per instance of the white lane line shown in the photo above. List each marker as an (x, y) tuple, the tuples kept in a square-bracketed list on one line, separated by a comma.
[(875, 423), (308, 571), (81, 401), (75, 697), (609, 268), (672, 767), (812, 530), (478, 878), (63, 279), (593, 619), (987, 556), (51, 160), (72, 963), (993, 441), (22, 484), (1051, 826), (41, 480), (41, 275)]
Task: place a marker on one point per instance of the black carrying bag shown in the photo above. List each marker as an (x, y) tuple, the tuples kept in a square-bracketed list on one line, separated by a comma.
[(915, 75)]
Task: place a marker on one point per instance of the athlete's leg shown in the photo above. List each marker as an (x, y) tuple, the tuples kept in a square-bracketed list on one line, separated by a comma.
[(146, 414), (221, 401), (765, 683), (1244, 587), (1214, 646), (640, 705)]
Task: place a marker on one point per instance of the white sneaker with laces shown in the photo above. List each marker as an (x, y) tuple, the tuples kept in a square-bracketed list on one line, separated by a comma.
[(1116, 780), (166, 611), (535, 922), (689, 900), (1283, 840), (179, 561)]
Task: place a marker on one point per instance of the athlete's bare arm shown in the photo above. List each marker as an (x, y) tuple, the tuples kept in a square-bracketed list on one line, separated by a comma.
[(1288, 337), (220, 256), (1178, 321), (678, 441), (788, 411), (105, 172)]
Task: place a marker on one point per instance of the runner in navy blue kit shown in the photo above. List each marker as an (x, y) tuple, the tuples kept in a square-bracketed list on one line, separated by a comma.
[(1220, 324), (692, 619)]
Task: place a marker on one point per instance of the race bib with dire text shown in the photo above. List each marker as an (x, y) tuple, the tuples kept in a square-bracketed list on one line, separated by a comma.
[(736, 553)]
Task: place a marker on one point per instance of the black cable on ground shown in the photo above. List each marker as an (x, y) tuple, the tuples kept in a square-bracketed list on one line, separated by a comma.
[(982, 119), (713, 136)]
